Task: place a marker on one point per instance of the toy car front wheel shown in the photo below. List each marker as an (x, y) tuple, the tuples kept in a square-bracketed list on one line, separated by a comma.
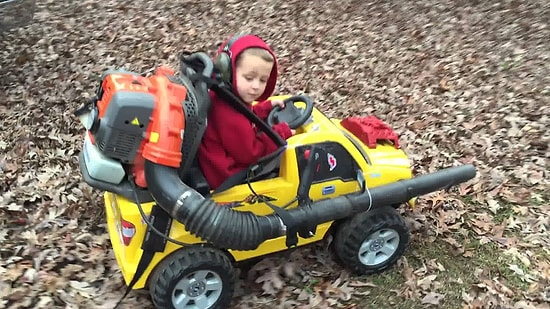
[(372, 241), (195, 277)]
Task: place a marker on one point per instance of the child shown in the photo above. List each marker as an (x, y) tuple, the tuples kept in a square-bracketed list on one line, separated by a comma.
[(231, 142)]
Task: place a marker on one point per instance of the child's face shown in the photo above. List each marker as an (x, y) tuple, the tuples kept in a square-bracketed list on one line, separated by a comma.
[(252, 74)]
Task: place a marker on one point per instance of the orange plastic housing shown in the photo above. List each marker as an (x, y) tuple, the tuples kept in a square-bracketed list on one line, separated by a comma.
[(370, 130), (165, 132), (164, 136), (120, 81)]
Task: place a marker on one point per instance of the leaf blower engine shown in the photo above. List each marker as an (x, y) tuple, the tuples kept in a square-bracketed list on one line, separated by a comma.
[(124, 125)]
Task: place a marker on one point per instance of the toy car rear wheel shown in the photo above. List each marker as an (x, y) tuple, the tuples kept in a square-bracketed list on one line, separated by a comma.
[(194, 277), (371, 241)]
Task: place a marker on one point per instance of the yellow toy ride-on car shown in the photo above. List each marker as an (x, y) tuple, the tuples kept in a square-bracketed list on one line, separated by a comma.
[(174, 235)]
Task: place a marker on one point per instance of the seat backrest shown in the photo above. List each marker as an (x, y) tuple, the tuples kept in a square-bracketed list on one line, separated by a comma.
[(196, 107), (195, 125)]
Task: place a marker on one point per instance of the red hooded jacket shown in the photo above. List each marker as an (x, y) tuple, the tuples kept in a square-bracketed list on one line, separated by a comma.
[(231, 142)]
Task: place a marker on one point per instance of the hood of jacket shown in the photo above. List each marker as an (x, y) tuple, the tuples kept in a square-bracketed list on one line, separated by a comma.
[(248, 41)]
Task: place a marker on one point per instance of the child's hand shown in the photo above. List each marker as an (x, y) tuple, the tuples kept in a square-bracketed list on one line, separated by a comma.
[(281, 103)]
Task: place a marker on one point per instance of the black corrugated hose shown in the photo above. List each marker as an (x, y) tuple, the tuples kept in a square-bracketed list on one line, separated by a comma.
[(238, 230)]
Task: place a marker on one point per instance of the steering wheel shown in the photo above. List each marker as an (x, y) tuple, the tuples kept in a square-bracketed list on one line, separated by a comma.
[(294, 116)]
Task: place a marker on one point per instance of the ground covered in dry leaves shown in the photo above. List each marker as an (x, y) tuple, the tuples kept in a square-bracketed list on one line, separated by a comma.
[(461, 81)]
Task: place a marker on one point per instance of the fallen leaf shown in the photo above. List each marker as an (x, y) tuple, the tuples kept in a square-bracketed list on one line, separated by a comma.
[(432, 298), (426, 282)]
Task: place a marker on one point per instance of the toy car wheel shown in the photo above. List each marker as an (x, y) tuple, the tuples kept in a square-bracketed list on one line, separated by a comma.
[(195, 277), (371, 241)]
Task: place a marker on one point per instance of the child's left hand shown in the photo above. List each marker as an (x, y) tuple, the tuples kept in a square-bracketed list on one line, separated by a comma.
[(281, 103)]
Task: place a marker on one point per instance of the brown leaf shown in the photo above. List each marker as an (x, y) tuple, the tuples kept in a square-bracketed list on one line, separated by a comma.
[(426, 282), (432, 298), (271, 282), (444, 85)]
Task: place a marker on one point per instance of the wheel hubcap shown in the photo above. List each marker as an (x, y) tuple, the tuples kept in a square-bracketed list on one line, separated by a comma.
[(379, 247), (196, 289), (199, 290)]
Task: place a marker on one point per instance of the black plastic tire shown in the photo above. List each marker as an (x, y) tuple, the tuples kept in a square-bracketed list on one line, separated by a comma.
[(370, 242), (194, 277)]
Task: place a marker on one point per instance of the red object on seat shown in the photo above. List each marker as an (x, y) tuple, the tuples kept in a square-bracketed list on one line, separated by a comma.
[(370, 130)]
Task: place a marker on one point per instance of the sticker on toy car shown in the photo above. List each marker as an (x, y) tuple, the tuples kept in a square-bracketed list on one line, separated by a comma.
[(331, 161)]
